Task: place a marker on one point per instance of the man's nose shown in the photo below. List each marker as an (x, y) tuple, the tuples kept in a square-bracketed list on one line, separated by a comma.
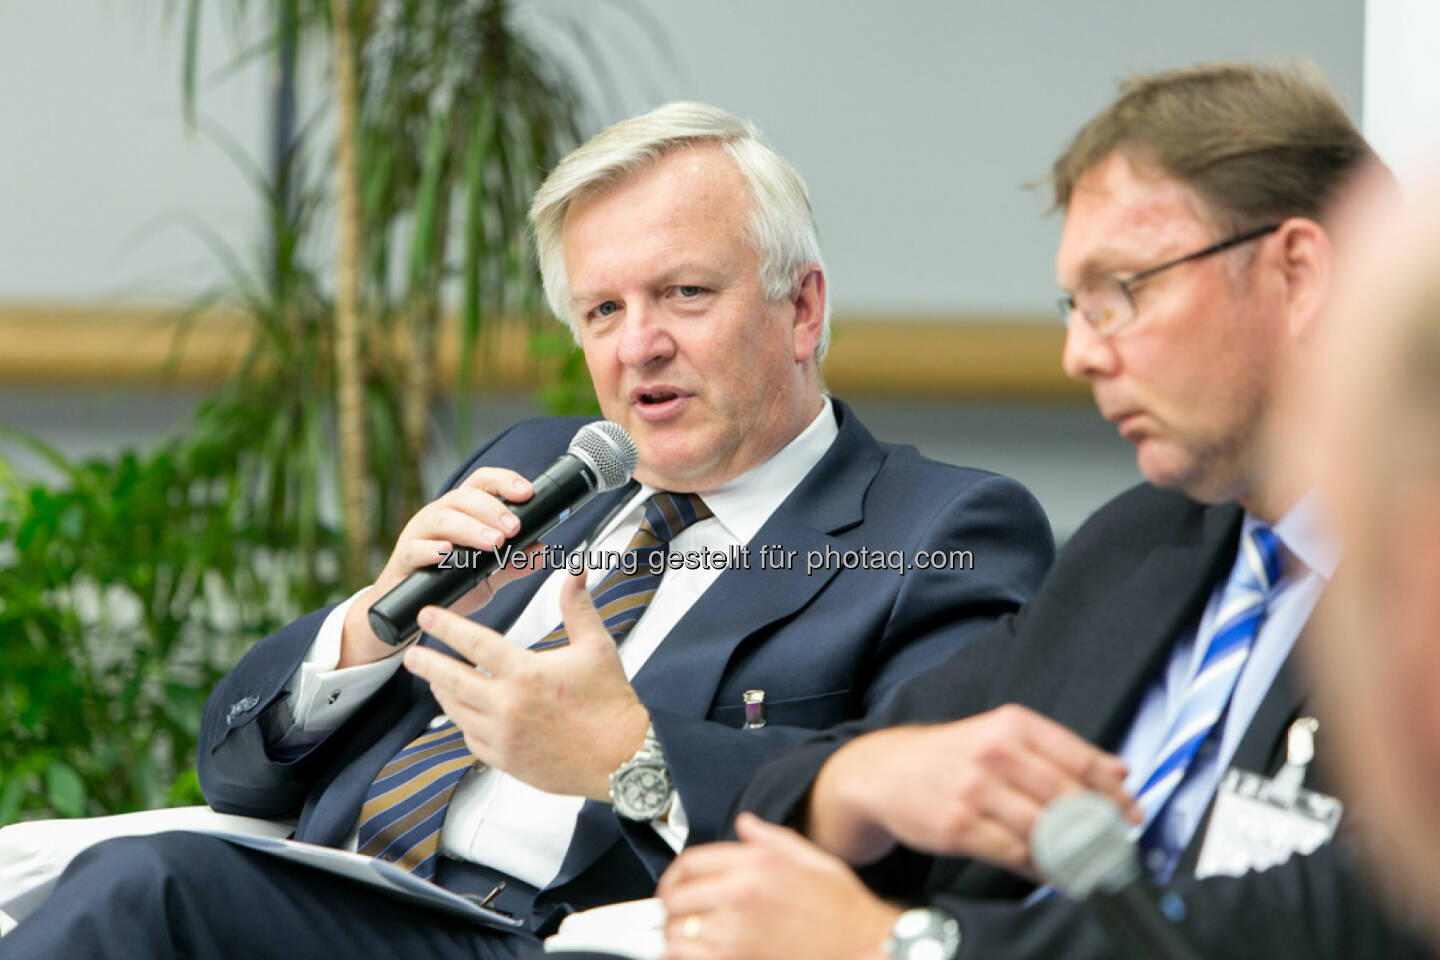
[(645, 336), (1087, 355)]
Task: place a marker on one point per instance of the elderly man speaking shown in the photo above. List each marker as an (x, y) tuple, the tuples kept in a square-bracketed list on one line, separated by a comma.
[(682, 251)]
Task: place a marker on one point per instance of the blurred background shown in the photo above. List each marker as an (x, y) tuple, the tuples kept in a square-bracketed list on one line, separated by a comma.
[(263, 282)]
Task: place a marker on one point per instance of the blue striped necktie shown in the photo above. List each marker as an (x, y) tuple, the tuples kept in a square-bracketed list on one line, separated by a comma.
[(1242, 609), (405, 806)]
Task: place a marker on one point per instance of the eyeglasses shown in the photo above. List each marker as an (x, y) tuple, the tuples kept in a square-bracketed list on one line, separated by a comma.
[(1108, 304)]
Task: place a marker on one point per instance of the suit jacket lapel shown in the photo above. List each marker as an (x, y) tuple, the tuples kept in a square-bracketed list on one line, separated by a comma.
[(1262, 749), (1131, 640), (684, 671), (1119, 650), (682, 674)]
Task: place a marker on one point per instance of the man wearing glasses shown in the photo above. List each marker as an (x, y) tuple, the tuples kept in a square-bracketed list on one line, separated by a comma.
[(1196, 258)]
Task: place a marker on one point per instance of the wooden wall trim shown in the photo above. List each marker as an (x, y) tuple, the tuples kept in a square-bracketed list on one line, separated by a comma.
[(961, 356), (958, 356)]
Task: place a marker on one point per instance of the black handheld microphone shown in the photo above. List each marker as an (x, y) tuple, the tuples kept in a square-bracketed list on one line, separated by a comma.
[(601, 457), (1081, 845)]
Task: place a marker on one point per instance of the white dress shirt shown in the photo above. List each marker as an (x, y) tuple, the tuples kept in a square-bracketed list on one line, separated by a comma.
[(495, 819)]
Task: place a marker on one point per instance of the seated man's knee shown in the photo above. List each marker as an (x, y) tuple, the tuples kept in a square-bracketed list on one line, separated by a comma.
[(143, 872)]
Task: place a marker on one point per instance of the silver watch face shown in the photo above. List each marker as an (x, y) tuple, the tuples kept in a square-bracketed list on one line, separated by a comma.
[(642, 791), (924, 934)]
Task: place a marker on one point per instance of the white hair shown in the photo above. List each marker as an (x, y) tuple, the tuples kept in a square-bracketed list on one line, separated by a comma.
[(781, 228)]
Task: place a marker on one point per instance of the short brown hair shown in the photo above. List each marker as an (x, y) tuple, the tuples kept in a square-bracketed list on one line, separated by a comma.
[(1258, 143)]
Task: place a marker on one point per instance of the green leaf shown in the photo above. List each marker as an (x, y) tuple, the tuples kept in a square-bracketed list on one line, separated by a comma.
[(187, 63), (12, 794), (185, 790), (149, 787), (65, 789), (183, 705), (429, 205)]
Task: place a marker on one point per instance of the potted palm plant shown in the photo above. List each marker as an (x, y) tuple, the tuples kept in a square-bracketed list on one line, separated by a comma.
[(129, 588)]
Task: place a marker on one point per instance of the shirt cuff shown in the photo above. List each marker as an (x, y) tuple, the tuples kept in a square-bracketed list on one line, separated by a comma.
[(674, 827), (323, 697)]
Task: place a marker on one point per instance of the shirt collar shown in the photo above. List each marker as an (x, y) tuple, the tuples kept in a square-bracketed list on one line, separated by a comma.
[(742, 505), (1302, 531)]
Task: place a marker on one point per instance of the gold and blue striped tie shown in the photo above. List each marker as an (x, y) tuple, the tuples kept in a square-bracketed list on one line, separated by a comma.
[(405, 807), (626, 591)]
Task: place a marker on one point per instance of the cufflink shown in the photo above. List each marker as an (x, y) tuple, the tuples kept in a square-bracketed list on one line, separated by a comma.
[(239, 708)]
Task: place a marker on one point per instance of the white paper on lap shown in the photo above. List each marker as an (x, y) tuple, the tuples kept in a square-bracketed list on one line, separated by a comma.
[(634, 929)]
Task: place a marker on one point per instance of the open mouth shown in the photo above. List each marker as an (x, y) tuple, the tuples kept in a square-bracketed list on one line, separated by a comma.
[(657, 398), (657, 403)]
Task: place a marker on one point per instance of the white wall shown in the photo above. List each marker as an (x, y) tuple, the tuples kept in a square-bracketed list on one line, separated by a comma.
[(96, 157), (1402, 84), (915, 121)]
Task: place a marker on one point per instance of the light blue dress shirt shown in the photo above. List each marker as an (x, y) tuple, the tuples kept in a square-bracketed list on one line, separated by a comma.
[(1311, 563)]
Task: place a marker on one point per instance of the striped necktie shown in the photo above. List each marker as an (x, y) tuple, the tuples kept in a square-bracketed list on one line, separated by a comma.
[(405, 806), (1242, 609), (625, 593)]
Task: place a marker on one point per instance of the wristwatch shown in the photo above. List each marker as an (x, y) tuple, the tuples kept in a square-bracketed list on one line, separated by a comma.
[(924, 933), (641, 788)]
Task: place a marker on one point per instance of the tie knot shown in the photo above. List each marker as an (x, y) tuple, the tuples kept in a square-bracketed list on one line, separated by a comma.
[(666, 514), (1264, 555)]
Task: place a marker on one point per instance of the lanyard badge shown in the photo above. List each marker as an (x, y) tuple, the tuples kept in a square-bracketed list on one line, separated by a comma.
[(1259, 822)]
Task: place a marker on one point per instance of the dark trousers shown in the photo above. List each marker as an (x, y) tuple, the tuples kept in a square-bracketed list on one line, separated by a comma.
[(193, 896)]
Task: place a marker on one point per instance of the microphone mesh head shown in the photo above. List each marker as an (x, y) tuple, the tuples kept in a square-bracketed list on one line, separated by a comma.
[(1082, 842), (609, 452)]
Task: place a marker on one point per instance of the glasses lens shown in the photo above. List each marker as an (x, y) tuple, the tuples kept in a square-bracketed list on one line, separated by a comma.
[(1066, 306), (1106, 307)]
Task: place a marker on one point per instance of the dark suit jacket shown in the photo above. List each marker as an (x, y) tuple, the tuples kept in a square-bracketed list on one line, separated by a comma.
[(825, 647), (1082, 651)]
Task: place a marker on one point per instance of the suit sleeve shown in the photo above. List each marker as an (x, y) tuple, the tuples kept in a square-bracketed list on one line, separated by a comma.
[(237, 773), (988, 671), (956, 688), (960, 687), (934, 613), (1317, 906)]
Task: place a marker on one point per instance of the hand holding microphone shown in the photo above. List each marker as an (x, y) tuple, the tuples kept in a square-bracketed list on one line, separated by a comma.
[(492, 511)]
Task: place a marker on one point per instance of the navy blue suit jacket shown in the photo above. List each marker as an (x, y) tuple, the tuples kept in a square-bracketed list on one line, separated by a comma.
[(826, 647)]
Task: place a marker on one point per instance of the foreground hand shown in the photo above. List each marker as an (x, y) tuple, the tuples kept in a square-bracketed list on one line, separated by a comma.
[(771, 895), (471, 515), (973, 787), (562, 719)]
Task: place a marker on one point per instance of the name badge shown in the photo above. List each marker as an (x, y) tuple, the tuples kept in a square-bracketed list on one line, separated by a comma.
[(1259, 822)]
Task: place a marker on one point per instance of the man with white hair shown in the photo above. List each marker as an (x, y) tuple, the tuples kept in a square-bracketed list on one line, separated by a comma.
[(681, 250)]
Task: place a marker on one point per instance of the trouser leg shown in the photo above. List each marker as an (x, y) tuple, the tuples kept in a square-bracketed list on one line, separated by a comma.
[(195, 896)]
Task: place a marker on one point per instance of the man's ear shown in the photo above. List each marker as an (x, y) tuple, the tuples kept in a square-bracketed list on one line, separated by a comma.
[(1305, 264), (809, 301)]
